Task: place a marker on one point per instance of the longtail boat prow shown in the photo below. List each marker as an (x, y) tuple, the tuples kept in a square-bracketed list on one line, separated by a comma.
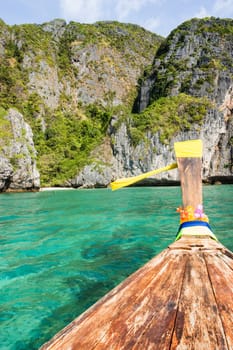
[(181, 299)]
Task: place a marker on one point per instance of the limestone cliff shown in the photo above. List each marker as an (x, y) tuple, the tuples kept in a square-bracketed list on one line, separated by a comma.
[(196, 59), (65, 80), (109, 100), (17, 155)]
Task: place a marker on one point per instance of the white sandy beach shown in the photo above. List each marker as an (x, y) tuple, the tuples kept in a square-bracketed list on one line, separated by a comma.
[(42, 189)]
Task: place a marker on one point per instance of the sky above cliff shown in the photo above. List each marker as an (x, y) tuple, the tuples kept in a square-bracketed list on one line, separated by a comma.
[(158, 16)]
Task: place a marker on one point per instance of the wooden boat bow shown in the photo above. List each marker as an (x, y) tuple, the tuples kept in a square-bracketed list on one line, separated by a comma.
[(181, 299)]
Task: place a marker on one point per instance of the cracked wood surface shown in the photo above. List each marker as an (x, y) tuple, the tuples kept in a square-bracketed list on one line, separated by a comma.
[(181, 299)]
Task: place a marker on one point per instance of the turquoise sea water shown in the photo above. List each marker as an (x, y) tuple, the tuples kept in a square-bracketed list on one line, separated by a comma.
[(62, 250)]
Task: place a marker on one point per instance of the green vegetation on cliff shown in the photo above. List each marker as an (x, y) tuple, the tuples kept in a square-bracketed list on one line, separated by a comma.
[(64, 145), (5, 129), (169, 116)]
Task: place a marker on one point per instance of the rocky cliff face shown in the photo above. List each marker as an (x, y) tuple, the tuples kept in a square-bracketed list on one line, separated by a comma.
[(126, 160), (65, 79), (195, 59), (76, 86), (17, 155)]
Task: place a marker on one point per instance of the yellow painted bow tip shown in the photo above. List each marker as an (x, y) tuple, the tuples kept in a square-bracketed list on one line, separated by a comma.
[(188, 149), (131, 180)]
